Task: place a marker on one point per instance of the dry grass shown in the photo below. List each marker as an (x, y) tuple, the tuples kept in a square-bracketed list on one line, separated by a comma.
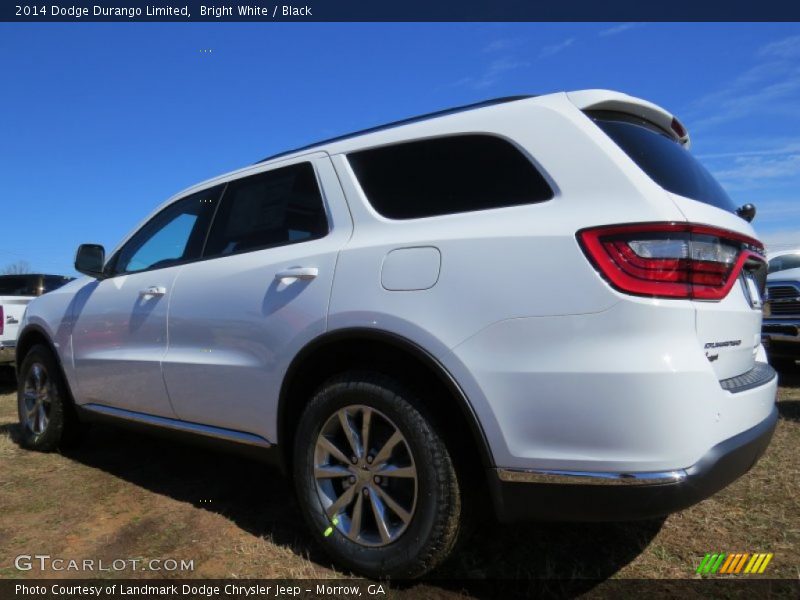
[(121, 495)]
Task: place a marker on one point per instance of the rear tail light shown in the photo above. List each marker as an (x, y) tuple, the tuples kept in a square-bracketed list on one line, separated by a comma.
[(671, 260)]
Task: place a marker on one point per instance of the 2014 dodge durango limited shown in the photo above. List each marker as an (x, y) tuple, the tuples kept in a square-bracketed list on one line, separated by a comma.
[(546, 300)]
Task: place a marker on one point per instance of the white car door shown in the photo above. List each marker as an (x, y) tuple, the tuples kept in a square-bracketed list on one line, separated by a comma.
[(239, 316), (120, 330)]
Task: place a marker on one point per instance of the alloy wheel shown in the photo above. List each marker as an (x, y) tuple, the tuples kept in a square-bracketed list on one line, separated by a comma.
[(365, 475), (37, 399)]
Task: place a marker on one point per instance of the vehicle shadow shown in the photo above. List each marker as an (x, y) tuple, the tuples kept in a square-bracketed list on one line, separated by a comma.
[(789, 410), (507, 560), (552, 559), (789, 378), (8, 380)]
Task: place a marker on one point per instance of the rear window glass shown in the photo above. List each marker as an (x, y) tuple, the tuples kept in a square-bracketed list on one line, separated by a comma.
[(19, 285), (667, 163), (782, 263), (441, 176)]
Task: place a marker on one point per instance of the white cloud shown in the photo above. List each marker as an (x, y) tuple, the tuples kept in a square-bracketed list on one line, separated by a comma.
[(771, 148), (502, 44), (773, 85), (498, 67), (755, 169), (621, 28), (493, 72), (782, 239), (778, 210), (785, 48), (736, 103), (556, 48)]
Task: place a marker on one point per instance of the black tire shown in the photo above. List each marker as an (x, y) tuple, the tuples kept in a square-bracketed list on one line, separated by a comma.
[(431, 533), (62, 428)]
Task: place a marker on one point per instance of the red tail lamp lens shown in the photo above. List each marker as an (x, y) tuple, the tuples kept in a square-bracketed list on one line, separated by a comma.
[(670, 260)]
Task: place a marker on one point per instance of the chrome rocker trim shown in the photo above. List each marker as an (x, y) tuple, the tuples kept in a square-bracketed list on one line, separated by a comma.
[(590, 477), (221, 433)]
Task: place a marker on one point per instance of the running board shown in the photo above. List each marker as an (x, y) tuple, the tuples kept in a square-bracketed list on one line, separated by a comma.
[(220, 433)]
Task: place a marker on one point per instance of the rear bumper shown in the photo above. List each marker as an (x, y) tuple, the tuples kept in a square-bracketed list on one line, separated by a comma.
[(781, 337), (573, 496), (7, 352)]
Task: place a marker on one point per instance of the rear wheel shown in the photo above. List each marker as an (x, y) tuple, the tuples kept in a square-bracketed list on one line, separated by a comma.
[(374, 479), (46, 415)]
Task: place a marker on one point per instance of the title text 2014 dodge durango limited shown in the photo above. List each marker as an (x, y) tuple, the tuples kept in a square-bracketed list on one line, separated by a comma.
[(546, 300)]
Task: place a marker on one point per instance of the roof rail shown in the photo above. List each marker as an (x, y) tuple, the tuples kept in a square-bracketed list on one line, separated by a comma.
[(407, 121)]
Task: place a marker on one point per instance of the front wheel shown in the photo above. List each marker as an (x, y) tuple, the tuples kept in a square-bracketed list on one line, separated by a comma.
[(374, 479), (46, 416)]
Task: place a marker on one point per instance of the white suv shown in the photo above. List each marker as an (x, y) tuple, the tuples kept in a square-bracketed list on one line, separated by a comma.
[(543, 300)]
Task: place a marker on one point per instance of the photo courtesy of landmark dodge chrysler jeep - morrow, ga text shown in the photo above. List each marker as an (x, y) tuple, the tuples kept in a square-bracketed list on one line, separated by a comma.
[(546, 301)]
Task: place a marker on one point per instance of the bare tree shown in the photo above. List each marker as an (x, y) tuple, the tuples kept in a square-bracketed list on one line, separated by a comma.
[(18, 268)]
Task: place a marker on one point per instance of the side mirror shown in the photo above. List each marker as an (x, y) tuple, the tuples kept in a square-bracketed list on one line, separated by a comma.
[(89, 260), (747, 212)]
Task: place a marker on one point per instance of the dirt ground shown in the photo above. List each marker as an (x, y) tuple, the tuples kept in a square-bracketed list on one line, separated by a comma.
[(125, 495)]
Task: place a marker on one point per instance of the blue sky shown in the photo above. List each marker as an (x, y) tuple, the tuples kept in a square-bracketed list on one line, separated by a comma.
[(102, 122)]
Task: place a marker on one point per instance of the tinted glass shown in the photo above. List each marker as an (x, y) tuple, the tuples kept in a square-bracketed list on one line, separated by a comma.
[(448, 175), (279, 207), (53, 282), (666, 161), (174, 235), (782, 263), (19, 285)]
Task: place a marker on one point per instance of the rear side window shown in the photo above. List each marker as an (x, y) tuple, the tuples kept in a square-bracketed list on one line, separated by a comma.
[(279, 207), (20, 285), (664, 160), (442, 176)]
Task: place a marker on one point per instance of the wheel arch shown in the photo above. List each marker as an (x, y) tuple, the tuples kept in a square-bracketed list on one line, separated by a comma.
[(390, 353), (28, 338)]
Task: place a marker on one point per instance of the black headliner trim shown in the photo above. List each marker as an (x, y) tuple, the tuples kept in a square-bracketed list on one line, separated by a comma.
[(407, 121)]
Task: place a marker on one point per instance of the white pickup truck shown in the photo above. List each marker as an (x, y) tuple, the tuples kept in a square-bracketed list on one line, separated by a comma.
[(781, 324), (15, 293)]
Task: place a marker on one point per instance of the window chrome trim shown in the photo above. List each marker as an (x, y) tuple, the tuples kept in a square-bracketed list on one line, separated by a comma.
[(590, 477)]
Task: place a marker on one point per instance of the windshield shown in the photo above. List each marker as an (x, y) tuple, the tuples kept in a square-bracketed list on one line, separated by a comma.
[(784, 262), (664, 160)]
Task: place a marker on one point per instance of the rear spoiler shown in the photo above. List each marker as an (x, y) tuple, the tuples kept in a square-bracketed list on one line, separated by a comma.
[(618, 102)]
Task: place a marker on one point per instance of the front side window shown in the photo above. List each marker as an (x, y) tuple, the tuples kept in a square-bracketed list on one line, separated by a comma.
[(275, 208), (173, 236), (441, 176)]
